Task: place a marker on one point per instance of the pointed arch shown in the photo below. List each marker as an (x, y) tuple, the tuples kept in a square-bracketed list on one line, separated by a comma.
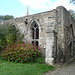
[(33, 20), (34, 32), (72, 31)]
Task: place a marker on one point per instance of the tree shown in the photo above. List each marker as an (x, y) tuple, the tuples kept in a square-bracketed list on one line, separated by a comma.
[(72, 13), (72, 1), (8, 35), (6, 17)]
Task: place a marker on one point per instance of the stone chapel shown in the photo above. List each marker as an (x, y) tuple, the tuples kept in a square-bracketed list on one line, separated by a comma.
[(52, 31)]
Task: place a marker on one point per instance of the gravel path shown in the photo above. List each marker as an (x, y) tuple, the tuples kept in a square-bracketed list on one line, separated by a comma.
[(66, 70)]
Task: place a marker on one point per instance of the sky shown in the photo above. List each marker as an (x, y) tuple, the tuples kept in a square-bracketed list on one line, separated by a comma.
[(18, 8)]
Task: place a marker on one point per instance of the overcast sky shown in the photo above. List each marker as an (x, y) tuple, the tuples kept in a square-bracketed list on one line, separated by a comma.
[(18, 8)]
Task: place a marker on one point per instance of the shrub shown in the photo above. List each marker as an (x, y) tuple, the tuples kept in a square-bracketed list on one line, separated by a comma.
[(2, 35), (40, 60), (20, 52), (8, 34)]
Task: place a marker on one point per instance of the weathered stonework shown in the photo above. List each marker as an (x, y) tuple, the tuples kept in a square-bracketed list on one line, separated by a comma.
[(52, 31)]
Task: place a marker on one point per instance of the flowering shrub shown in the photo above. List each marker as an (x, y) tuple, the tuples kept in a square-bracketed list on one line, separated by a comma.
[(20, 52)]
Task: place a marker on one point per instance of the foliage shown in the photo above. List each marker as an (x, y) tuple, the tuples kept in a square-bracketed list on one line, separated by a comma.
[(72, 1), (54, 32), (40, 60), (6, 17), (20, 52), (12, 68), (2, 35), (8, 34), (72, 13)]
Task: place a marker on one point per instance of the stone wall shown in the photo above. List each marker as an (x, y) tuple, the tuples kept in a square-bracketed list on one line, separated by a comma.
[(69, 35), (58, 53), (46, 22), (65, 36), (56, 33)]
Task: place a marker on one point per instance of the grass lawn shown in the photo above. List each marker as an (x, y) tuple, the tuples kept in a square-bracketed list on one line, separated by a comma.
[(12, 68)]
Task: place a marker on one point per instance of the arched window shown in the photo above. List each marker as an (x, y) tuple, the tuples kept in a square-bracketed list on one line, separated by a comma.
[(13, 26), (35, 33), (71, 29)]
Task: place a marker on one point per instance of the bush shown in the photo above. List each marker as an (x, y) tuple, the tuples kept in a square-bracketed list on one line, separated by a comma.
[(40, 60), (8, 34), (20, 52), (2, 35)]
